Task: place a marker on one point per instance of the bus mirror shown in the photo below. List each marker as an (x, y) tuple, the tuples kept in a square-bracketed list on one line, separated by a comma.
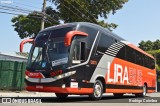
[(69, 36), (25, 41)]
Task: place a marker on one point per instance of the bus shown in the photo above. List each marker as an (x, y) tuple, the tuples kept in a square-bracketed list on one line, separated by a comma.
[(86, 59)]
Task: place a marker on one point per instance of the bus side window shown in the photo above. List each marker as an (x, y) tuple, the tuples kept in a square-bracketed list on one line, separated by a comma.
[(130, 54), (79, 52), (122, 53), (104, 43), (139, 58), (152, 64)]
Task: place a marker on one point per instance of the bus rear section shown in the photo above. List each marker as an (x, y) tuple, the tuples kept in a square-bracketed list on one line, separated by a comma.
[(86, 59)]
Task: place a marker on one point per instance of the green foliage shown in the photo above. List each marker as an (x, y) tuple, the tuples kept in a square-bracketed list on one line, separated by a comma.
[(156, 45), (88, 10), (157, 67), (149, 45), (29, 25), (146, 46), (68, 11)]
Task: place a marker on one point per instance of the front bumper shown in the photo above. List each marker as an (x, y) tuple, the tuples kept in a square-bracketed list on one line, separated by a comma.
[(67, 90)]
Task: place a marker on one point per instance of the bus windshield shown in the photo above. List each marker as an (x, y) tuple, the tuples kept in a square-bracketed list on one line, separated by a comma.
[(44, 56), (48, 50)]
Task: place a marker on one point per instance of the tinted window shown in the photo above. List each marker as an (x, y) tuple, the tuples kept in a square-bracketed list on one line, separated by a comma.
[(104, 43), (92, 32), (121, 54), (139, 58), (130, 54), (149, 62), (61, 32), (41, 38), (152, 64)]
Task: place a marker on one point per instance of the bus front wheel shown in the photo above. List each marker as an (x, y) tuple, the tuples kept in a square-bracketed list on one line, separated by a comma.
[(97, 91), (61, 96)]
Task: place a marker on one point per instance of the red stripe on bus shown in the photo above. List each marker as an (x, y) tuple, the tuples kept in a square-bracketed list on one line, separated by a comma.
[(60, 89), (151, 91), (123, 91)]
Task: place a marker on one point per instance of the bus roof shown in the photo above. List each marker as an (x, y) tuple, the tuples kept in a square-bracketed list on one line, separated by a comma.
[(94, 26)]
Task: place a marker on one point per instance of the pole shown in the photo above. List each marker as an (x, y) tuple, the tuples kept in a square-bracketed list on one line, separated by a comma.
[(43, 14)]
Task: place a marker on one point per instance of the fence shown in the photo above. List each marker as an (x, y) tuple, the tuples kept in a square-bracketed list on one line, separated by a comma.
[(12, 75)]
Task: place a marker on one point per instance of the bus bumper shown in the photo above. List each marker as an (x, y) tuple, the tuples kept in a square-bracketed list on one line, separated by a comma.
[(67, 90)]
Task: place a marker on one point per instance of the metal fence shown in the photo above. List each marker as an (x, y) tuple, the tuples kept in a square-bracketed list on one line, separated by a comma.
[(12, 75)]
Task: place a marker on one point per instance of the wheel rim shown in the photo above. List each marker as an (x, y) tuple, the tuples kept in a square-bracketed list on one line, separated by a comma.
[(144, 90), (98, 90)]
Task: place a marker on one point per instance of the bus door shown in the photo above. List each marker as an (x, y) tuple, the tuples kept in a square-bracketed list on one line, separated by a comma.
[(78, 55)]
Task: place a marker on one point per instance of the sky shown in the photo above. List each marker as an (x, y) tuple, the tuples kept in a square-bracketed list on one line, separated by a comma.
[(138, 20)]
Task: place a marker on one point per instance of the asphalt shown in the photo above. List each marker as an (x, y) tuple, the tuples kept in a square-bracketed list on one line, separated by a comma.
[(73, 100), (50, 94)]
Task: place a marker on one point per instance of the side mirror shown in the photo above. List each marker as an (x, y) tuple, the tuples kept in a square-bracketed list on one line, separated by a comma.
[(69, 36), (25, 41)]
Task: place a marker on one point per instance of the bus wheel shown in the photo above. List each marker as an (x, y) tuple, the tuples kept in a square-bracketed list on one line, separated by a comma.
[(61, 96), (118, 94), (97, 91), (143, 94)]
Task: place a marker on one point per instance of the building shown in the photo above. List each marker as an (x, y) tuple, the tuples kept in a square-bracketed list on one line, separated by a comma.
[(12, 57)]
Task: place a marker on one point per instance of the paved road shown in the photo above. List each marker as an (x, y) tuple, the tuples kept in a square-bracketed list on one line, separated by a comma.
[(110, 100), (105, 99)]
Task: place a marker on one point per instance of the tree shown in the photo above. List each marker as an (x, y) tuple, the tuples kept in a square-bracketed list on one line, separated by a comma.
[(149, 45), (95, 11), (142, 45), (88, 10), (146, 46), (27, 26), (156, 45)]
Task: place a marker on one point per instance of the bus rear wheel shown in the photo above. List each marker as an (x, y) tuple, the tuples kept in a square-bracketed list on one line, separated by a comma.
[(97, 91), (143, 94), (61, 96)]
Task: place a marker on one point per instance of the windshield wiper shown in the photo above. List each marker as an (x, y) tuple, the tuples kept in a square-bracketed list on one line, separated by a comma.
[(39, 53)]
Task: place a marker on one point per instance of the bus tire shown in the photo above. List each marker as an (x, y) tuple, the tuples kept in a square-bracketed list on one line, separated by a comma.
[(143, 94), (118, 94), (97, 91), (61, 96)]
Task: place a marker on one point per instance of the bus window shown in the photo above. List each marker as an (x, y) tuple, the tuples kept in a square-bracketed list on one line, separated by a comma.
[(122, 53), (78, 53), (130, 54), (104, 43), (152, 64), (139, 58), (146, 61)]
